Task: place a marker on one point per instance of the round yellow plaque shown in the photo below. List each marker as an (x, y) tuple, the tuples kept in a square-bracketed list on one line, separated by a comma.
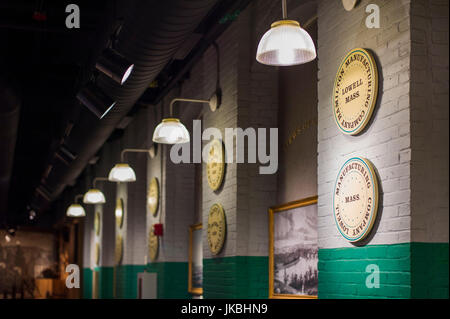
[(119, 249), (153, 196), (217, 228), (215, 166), (152, 245), (97, 222), (119, 212), (349, 4), (355, 199), (355, 91), (97, 253)]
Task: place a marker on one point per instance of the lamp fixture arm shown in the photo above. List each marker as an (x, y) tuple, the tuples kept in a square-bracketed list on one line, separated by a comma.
[(77, 197), (99, 179), (178, 99), (132, 150)]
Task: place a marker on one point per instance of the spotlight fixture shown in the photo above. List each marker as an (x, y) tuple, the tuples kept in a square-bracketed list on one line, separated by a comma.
[(285, 44), (94, 195), (95, 100), (65, 155), (32, 215), (12, 231), (122, 172), (171, 130), (76, 210), (114, 65)]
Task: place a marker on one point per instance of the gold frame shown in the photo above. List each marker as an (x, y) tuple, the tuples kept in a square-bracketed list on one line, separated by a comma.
[(97, 222), (376, 77), (153, 182), (222, 171), (119, 222), (194, 291), (276, 209)]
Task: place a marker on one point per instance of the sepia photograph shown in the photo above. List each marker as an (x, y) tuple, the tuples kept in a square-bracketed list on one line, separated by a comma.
[(294, 250)]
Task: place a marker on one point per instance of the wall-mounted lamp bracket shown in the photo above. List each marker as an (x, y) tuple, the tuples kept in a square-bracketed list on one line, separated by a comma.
[(213, 102)]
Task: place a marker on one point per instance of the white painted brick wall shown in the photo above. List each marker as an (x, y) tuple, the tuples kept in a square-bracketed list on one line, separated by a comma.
[(429, 121), (386, 142)]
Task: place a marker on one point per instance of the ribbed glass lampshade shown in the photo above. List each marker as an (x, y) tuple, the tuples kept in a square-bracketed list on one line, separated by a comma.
[(75, 210), (171, 131), (286, 43), (94, 196), (122, 173)]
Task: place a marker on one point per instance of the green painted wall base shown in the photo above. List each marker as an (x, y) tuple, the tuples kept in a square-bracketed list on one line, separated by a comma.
[(106, 282), (429, 268), (127, 281), (172, 279), (87, 283), (236, 277), (410, 270)]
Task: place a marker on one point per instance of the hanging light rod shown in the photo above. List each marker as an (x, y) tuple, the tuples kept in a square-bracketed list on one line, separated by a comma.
[(94, 195), (286, 43), (122, 172), (171, 130), (76, 210)]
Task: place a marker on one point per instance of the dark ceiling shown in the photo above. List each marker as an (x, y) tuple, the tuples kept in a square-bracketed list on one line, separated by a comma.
[(45, 62)]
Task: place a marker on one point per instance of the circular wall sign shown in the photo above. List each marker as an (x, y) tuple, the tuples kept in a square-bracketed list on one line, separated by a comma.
[(119, 212), (217, 228), (97, 223), (97, 253), (153, 196), (355, 199), (152, 245), (119, 249), (215, 166), (355, 91), (349, 4)]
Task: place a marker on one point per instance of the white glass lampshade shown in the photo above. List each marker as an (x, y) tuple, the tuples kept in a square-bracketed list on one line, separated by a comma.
[(171, 131), (75, 210), (94, 196), (122, 173), (286, 43)]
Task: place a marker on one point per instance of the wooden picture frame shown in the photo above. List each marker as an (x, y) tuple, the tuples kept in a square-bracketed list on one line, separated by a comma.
[(295, 207), (191, 288)]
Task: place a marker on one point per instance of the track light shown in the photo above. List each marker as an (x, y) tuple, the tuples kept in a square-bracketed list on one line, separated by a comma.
[(285, 44), (76, 210), (114, 65), (65, 155), (95, 100)]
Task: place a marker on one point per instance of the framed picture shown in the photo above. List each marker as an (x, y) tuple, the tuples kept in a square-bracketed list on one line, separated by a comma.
[(195, 281), (293, 250)]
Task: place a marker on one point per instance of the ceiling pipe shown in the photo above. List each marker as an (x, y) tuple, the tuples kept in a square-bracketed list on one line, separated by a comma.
[(151, 34)]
